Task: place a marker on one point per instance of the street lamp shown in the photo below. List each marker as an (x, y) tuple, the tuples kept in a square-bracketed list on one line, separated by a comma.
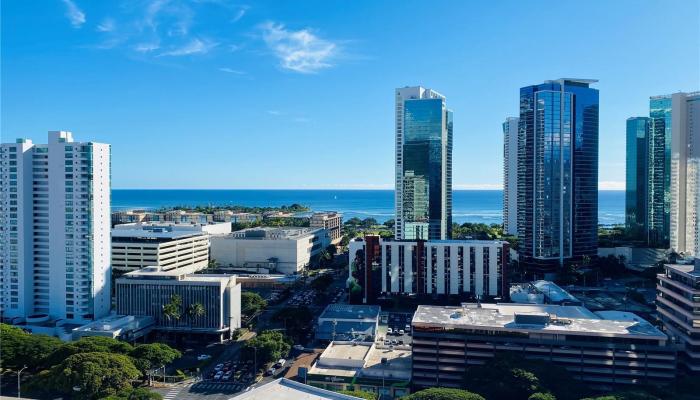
[(19, 383)]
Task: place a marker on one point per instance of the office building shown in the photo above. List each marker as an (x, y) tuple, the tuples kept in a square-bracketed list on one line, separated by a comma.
[(54, 230), (265, 250), (659, 172), (167, 246), (469, 268), (605, 348), (685, 173), (123, 327), (636, 178), (148, 290), (677, 302), (332, 222), (366, 366), (510, 176), (423, 165), (557, 173), (348, 322), (236, 217)]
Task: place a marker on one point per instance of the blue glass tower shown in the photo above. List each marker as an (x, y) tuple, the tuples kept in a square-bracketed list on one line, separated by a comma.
[(558, 173), (637, 178), (423, 165), (659, 174)]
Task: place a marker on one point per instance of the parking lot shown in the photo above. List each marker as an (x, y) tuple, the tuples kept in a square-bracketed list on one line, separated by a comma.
[(396, 330)]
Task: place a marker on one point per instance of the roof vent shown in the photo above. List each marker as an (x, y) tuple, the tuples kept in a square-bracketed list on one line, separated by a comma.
[(532, 318)]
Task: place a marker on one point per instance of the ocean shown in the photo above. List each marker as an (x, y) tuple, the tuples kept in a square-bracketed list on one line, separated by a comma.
[(483, 206)]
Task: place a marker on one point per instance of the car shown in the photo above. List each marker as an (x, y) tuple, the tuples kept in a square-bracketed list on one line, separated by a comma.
[(280, 363), (394, 342), (387, 342), (271, 371), (203, 357), (389, 331), (401, 332), (226, 376), (228, 363), (400, 341), (218, 367), (218, 375), (298, 347), (408, 327)]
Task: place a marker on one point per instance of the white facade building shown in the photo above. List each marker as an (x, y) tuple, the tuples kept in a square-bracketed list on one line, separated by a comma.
[(510, 176), (441, 267), (54, 230), (685, 173), (285, 250), (331, 222), (146, 291), (167, 246)]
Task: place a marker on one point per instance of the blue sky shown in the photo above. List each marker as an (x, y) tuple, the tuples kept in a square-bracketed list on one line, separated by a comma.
[(299, 94)]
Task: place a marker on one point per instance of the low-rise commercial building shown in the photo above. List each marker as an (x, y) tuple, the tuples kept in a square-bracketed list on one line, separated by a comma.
[(284, 250), (604, 348), (542, 292), (347, 322), (147, 291), (236, 217), (352, 365), (122, 327), (332, 222), (287, 389), (678, 306), (136, 246), (470, 268)]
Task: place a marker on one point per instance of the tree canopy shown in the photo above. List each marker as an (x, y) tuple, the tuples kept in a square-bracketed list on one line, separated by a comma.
[(270, 345), (252, 303), (360, 394), (19, 348), (153, 355), (443, 394)]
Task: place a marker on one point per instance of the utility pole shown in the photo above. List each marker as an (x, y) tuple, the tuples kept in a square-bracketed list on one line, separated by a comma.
[(19, 382)]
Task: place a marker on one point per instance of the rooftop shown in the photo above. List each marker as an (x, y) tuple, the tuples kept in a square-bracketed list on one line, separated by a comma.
[(691, 269), (286, 389), (180, 274), (543, 318), (347, 311), (159, 230), (554, 292), (364, 359), (270, 233), (116, 323)]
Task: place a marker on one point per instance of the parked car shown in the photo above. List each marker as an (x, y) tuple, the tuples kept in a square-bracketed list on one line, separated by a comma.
[(401, 332), (280, 363), (203, 357), (218, 367), (271, 371), (227, 376), (218, 375), (389, 331), (298, 347)]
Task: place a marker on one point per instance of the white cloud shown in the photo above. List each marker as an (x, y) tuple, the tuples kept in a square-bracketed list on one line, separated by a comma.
[(147, 47), (611, 185), (107, 25), (194, 46), (75, 15), (240, 13), (299, 51), (232, 71), (274, 112)]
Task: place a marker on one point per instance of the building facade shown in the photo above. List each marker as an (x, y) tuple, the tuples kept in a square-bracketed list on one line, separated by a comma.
[(423, 165), (471, 268), (677, 303), (54, 230), (659, 171), (685, 173), (332, 222), (285, 250), (606, 348), (636, 178), (147, 291), (557, 173), (510, 176), (136, 246)]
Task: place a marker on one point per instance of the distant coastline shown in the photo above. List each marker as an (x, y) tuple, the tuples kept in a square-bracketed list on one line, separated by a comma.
[(469, 205)]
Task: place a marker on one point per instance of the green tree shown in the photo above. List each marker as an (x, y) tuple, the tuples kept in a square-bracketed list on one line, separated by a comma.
[(443, 394), (19, 348), (135, 394), (195, 311), (153, 355), (297, 320), (269, 346), (390, 223), (359, 394), (90, 344), (322, 282), (541, 396), (173, 309), (252, 303), (88, 376)]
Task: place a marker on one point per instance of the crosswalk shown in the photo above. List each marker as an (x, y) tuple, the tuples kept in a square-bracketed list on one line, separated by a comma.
[(172, 393)]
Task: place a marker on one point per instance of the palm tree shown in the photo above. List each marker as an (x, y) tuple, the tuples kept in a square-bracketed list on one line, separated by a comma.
[(195, 310), (172, 310)]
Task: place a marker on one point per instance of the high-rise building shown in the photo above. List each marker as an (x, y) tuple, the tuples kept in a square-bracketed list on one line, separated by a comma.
[(54, 230), (659, 171), (685, 173), (636, 177), (558, 173), (510, 176), (423, 165)]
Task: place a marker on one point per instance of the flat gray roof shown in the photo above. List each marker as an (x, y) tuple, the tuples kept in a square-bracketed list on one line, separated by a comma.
[(574, 320), (287, 389)]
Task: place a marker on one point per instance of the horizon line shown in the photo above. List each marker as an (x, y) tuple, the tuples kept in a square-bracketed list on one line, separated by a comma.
[(330, 189)]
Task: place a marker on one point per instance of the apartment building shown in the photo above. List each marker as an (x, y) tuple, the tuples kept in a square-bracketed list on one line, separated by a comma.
[(332, 222)]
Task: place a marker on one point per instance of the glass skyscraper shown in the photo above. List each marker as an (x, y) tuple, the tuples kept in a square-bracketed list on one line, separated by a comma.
[(637, 177), (659, 174), (558, 173), (423, 165)]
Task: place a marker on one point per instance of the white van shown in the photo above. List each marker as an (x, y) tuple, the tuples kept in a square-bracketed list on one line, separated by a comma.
[(280, 363)]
